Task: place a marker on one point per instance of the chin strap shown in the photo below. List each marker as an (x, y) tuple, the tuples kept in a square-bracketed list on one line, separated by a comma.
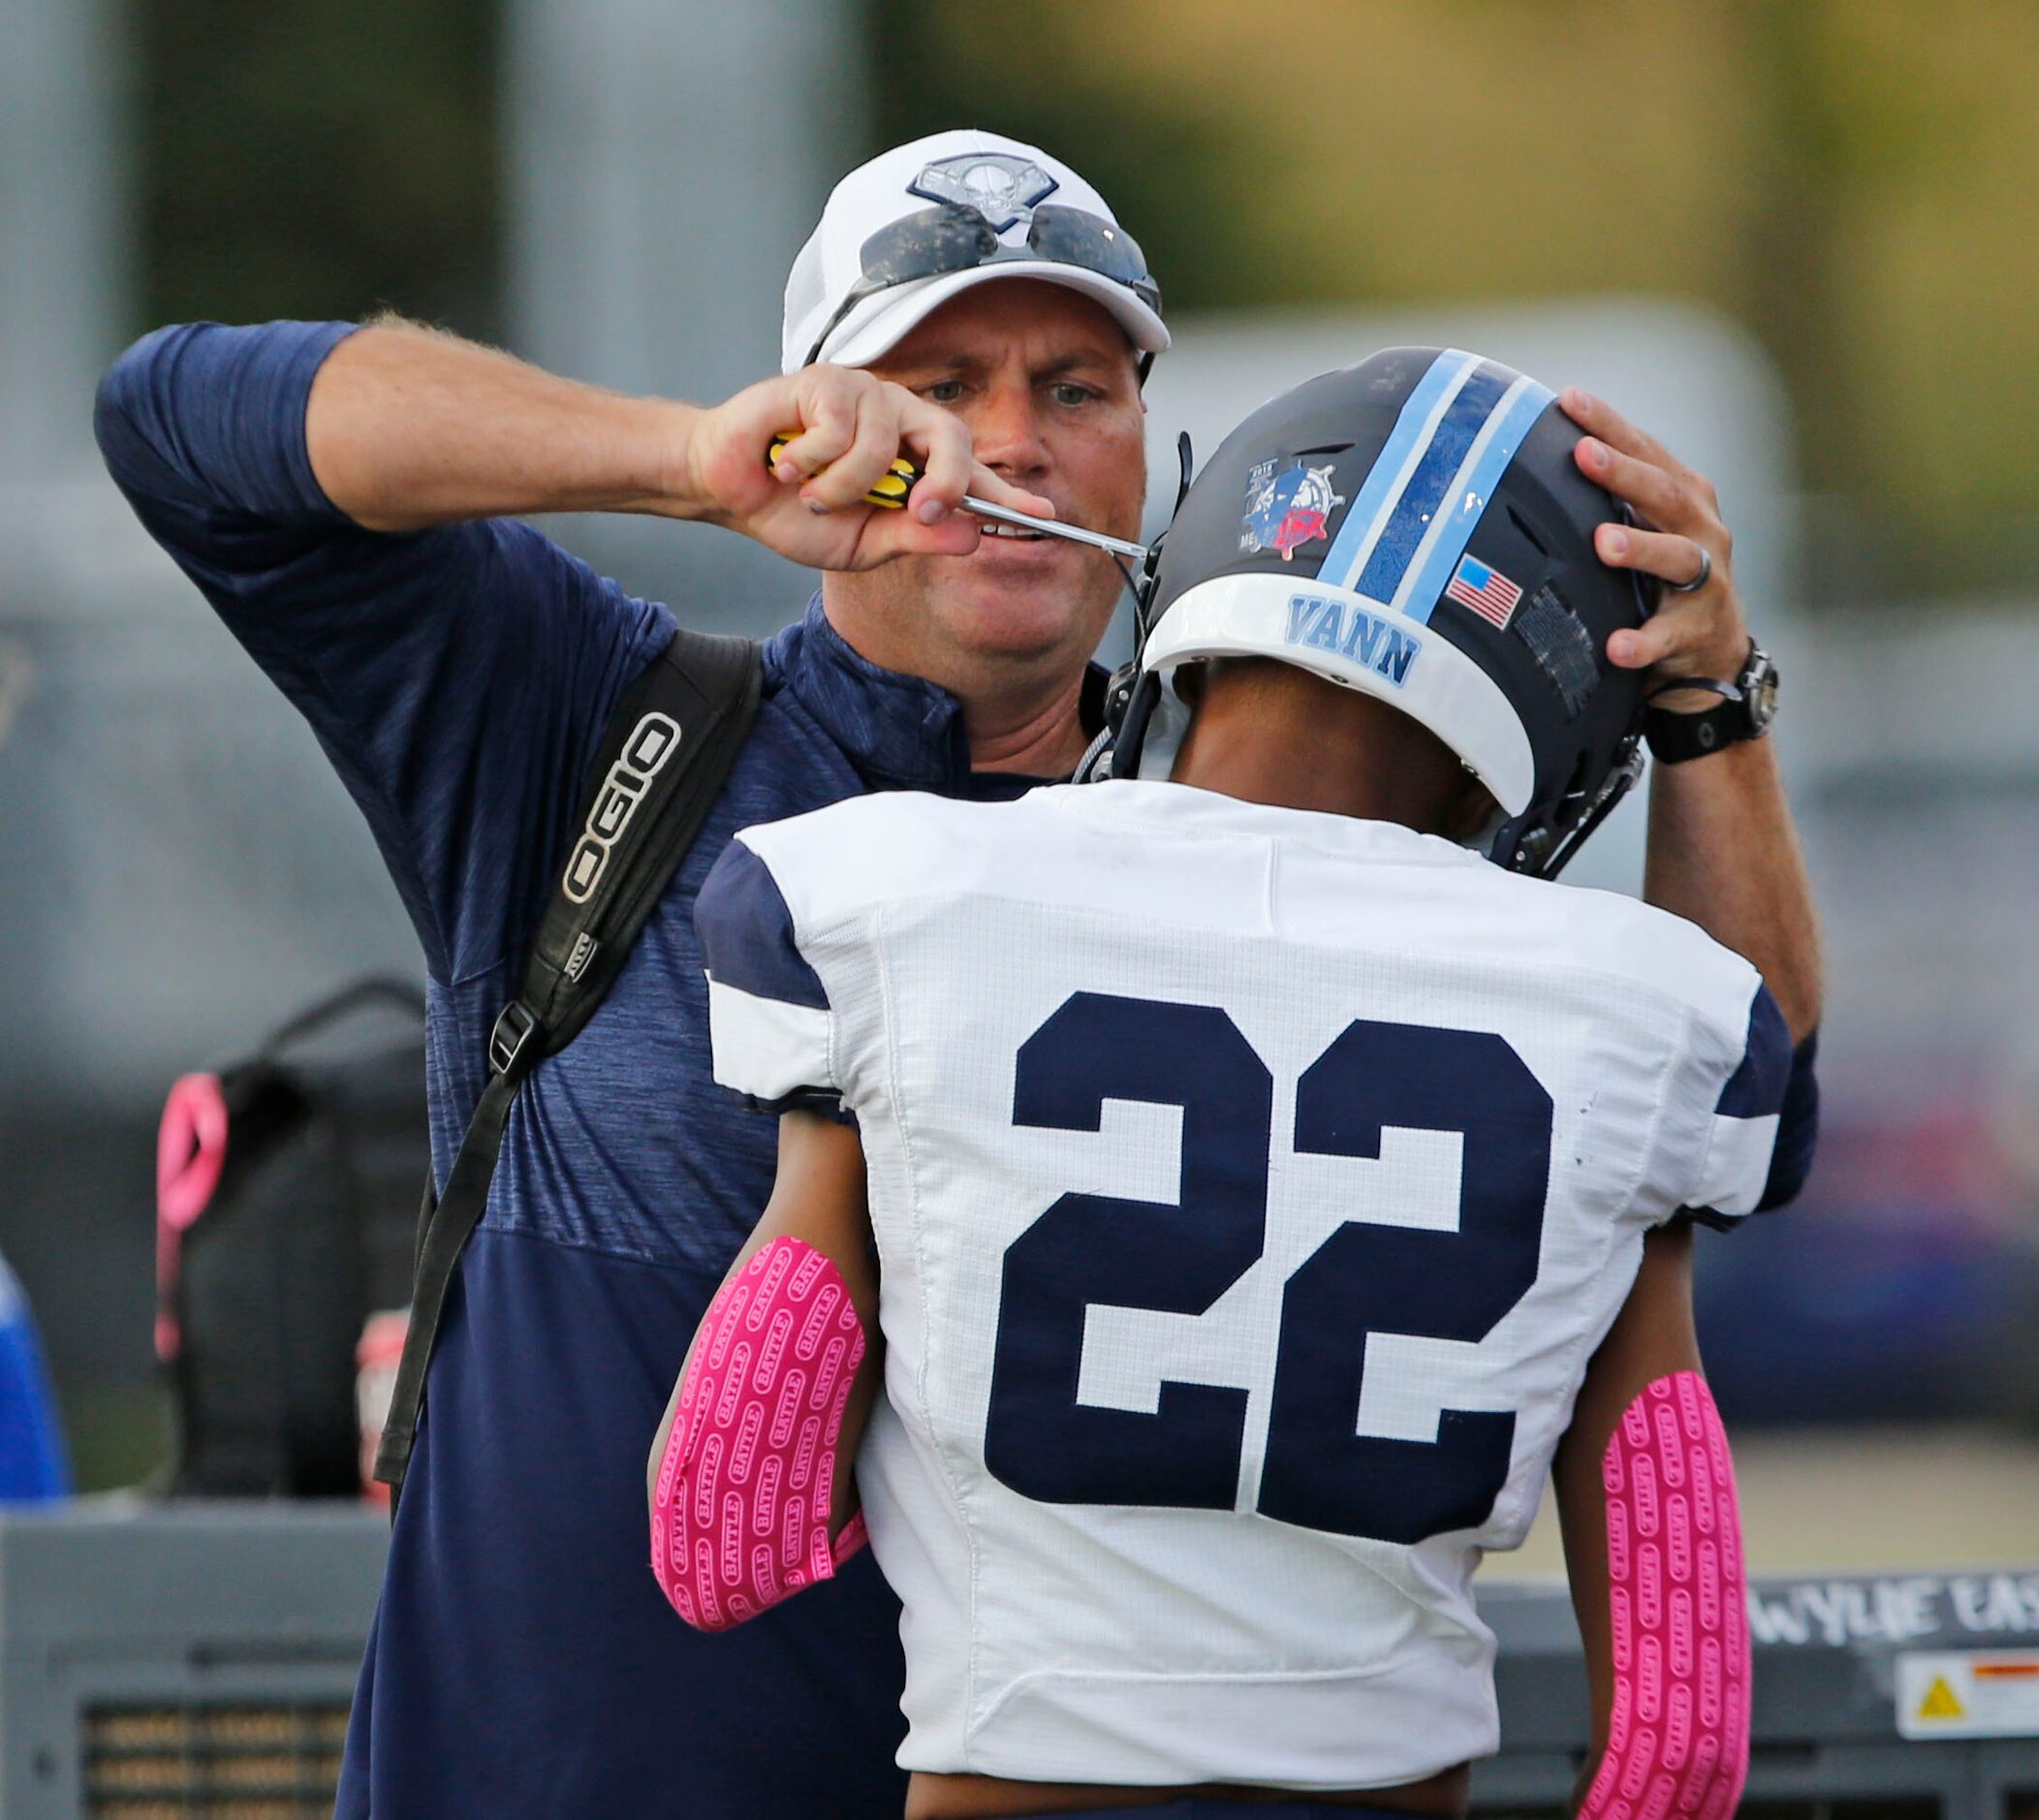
[(1095, 765), (1098, 763), (1619, 781)]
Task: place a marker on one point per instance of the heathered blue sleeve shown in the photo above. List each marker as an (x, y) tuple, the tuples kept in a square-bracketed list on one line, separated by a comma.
[(458, 677)]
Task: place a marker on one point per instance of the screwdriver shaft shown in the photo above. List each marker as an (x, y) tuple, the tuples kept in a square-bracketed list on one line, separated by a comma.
[(899, 481), (1054, 527)]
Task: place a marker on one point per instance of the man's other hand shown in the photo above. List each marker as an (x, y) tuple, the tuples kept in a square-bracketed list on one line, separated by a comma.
[(1678, 513)]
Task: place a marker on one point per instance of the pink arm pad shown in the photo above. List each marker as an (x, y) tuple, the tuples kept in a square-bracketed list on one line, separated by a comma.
[(1677, 1740), (739, 1518)]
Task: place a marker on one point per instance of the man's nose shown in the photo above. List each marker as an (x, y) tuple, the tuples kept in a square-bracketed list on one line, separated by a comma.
[(1007, 433)]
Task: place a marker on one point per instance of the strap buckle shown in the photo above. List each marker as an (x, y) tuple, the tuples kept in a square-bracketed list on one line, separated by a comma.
[(514, 1035)]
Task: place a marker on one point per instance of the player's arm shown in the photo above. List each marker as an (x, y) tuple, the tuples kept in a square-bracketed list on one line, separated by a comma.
[(1722, 850), (409, 428), (749, 1482), (749, 1474), (1645, 1498)]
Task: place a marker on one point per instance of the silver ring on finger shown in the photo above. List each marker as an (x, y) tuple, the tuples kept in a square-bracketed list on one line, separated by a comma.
[(1698, 581)]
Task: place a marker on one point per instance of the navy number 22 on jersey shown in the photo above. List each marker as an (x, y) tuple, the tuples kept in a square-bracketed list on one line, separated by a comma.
[(1365, 1278)]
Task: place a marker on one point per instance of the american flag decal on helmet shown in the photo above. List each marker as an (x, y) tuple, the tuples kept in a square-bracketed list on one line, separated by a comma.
[(1487, 591)]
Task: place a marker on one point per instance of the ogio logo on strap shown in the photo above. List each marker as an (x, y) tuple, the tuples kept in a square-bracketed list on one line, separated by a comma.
[(651, 742)]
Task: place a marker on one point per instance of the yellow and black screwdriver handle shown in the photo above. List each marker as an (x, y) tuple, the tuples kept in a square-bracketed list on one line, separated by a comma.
[(898, 480), (893, 487)]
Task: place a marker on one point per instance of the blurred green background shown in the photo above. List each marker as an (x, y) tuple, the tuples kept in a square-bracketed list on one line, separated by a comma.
[(1850, 182), (1850, 179)]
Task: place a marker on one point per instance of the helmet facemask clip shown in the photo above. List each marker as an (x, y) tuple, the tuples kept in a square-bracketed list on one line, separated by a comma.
[(1583, 820)]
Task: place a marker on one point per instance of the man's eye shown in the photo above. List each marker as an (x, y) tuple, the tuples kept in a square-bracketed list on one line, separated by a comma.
[(946, 391), (1068, 392)]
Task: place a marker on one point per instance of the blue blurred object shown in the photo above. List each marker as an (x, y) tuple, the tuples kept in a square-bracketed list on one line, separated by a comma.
[(1904, 1287), (33, 1468)]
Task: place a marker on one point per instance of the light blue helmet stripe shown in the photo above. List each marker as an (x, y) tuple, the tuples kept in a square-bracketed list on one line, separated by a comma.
[(1423, 580), (1430, 485), (1368, 515)]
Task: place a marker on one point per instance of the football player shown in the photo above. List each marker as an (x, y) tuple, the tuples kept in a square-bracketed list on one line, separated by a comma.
[(1209, 1199)]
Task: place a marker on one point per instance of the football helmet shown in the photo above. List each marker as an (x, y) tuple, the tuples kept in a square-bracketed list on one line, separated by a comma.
[(1415, 528)]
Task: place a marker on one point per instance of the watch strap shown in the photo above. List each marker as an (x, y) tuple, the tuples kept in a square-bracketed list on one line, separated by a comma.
[(1745, 711), (1673, 738)]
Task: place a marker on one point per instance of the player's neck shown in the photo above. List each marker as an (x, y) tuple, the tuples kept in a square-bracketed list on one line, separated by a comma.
[(1309, 778), (1294, 742)]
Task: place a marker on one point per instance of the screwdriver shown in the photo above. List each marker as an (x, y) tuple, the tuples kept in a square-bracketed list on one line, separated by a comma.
[(898, 480)]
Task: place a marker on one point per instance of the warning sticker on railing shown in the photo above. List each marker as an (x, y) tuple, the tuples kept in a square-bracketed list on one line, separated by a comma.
[(1968, 1694)]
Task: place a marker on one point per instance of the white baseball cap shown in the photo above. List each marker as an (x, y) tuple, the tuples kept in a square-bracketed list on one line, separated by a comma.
[(836, 310)]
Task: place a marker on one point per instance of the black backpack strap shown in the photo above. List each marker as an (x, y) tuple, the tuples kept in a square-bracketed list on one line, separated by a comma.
[(662, 762), (372, 990)]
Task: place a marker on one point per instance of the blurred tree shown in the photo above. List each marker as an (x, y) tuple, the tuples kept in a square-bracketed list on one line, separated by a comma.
[(1850, 178), (1893, 262), (1359, 153), (325, 158)]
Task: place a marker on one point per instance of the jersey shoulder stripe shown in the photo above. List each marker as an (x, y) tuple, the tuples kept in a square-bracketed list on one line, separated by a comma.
[(745, 930), (768, 1017), (1756, 1087), (1741, 1135)]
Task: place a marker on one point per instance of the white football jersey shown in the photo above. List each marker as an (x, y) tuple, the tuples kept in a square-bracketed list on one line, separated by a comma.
[(1251, 1188)]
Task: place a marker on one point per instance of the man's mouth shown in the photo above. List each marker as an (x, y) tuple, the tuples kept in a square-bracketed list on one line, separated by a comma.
[(993, 528)]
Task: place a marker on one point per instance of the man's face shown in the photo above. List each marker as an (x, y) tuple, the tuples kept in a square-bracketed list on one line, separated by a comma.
[(1047, 383)]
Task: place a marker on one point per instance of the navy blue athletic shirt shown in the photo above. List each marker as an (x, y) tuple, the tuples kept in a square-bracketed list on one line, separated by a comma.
[(523, 1661)]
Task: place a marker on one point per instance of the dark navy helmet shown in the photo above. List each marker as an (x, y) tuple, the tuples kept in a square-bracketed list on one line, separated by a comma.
[(1415, 528)]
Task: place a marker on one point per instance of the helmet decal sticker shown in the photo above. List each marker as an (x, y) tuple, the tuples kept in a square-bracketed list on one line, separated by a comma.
[(1486, 591), (1287, 507), (1318, 623), (1001, 188), (1561, 647)]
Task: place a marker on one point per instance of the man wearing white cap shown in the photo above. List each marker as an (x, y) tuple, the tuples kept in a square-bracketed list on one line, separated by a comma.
[(343, 496)]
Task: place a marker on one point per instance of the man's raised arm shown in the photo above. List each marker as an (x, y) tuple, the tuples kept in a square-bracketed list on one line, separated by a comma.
[(409, 428), (1722, 850)]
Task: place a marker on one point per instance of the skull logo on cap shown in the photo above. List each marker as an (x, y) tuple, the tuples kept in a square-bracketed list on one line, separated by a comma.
[(1001, 188)]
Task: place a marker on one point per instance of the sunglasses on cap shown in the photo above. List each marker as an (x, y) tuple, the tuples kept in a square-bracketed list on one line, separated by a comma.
[(956, 237)]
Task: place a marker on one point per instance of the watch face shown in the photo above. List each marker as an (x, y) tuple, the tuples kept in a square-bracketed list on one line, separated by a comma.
[(1759, 688)]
